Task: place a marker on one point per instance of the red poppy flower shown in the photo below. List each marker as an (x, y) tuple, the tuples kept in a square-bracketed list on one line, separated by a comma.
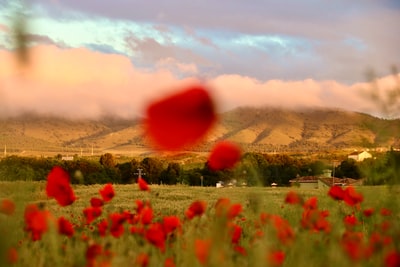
[(350, 221), (169, 262), (352, 244), (276, 258), (65, 227), (143, 184), (336, 192), (224, 155), (35, 221), (385, 212), (92, 252), (102, 227), (117, 221), (392, 259), (12, 255), (236, 233), (91, 213), (107, 192), (292, 198), (155, 235), (181, 119), (197, 208), (146, 215), (311, 203), (234, 210), (7, 207), (202, 250), (58, 186), (170, 223), (351, 197), (96, 202), (240, 250), (368, 212), (142, 260)]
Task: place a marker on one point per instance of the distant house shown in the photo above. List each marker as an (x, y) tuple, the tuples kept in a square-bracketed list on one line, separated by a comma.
[(359, 156), (315, 182), (67, 158)]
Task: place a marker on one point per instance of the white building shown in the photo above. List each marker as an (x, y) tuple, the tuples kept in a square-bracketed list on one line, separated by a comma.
[(359, 156)]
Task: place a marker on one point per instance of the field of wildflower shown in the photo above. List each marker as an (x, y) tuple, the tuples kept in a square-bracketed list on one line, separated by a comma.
[(45, 224)]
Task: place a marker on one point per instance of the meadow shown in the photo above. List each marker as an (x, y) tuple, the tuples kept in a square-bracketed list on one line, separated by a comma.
[(237, 226)]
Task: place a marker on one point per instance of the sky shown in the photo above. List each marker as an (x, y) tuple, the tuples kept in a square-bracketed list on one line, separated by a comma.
[(93, 58)]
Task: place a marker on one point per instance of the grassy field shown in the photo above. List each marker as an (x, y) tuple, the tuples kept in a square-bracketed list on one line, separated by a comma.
[(272, 232)]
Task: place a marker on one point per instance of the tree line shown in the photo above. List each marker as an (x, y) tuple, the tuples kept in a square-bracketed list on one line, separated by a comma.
[(253, 169)]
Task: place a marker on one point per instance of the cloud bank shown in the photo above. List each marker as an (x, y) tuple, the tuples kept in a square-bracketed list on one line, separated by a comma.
[(81, 83)]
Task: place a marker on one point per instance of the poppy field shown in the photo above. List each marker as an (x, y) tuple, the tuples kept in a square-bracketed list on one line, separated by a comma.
[(142, 225)]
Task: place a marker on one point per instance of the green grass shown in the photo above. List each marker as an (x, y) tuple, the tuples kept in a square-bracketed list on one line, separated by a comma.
[(307, 249)]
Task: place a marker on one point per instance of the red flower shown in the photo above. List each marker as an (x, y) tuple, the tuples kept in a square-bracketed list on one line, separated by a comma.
[(12, 255), (385, 212), (392, 259), (170, 223), (58, 186), (65, 227), (292, 198), (236, 233), (142, 260), (202, 250), (276, 258), (234, 211), (146, 215), (117, 221), (155, 235), (7, 207), (102, 227), (224, 155), (107, 193), (91, 213), (143, 184), (169, 262), (96, 202), (352, 244), (351, 197), (350, 221), (368, 212), (311, 203), (35, 221), (336, 192), (197, 208), (181, 119), (92, 252), (240, 250)]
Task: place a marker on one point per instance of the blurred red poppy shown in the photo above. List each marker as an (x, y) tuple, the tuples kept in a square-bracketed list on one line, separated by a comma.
[(107, 192), (292, 198), (102, 227), (276, 258), (336, 192), (92, 252), (142, 260), (117, 221), (311, 203), (12, 255), (202, 250), (170, 223), (224, 155), (234, 210), (236, 233), (146, 215), (91, 213), (169, 262), (96, 202), (65, 227), (155, 235), (392, 259), (35, 221), (368, 212), (197, 208), (350, 221), (7, 206), (180, 120), (351, 197), (143, 184), (58, 186)]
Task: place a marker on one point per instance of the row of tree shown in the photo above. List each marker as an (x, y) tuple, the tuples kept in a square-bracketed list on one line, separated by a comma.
[(253, 169)]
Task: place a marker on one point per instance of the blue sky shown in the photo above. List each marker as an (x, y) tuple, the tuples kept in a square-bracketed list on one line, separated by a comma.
[(262, 40)]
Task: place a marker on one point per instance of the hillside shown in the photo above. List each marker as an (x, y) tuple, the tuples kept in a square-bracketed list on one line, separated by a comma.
[(259, 129)]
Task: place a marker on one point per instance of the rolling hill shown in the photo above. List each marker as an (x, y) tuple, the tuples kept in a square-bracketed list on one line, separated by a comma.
[(255, 129)]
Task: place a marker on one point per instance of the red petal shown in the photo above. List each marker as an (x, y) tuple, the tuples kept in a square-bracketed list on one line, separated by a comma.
[(224, 155), (58, 186), (181, 119)]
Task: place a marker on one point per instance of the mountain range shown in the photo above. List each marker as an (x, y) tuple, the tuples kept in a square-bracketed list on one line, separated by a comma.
[(255, 129)]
